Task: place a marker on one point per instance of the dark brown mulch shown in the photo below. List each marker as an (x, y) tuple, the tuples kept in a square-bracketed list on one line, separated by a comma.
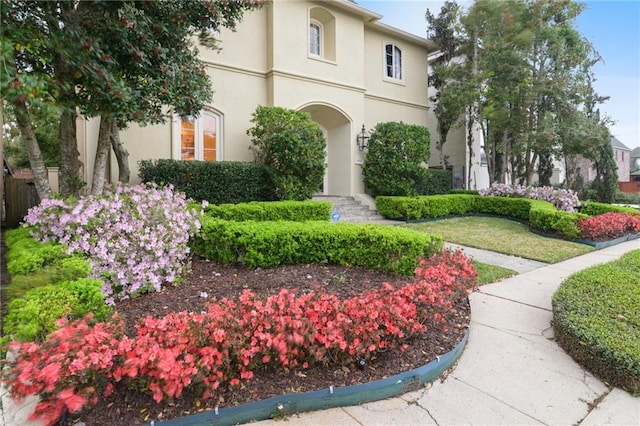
[(131, 407)]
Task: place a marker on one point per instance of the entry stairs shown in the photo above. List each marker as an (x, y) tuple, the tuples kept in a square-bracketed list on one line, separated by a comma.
[(350, 209)]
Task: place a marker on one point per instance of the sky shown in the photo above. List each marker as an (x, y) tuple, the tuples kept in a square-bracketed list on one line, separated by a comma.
[(612, 27)]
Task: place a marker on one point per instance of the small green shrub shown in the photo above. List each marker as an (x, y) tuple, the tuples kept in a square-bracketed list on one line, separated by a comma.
[(297, 211), (395, 157), (217, 182), (597, 320), (27, 255), (33, 316), (464, 191), (292, 148), (65, 269), (592, 208), (433, 181), (267, 244)]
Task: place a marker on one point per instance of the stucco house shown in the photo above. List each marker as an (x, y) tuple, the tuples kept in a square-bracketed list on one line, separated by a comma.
[(332, 59)]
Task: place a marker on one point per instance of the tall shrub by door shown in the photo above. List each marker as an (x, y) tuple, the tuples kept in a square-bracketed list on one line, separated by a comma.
[(397, 158), (292, 147)]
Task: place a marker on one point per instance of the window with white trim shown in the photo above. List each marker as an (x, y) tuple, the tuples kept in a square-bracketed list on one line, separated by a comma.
[(393, 61), (315, 38), (198, 138), (322, 34)]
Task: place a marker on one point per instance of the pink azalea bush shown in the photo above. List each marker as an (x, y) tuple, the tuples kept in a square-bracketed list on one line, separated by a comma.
[(83, 360), (609, 226), (562, 199), (135, 236)]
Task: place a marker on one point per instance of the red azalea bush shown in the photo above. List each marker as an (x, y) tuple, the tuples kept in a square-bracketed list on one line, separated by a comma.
[(83, 360), (609, 226)]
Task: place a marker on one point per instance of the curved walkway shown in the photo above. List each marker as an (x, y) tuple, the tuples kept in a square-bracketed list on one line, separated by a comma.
[(511, 372)]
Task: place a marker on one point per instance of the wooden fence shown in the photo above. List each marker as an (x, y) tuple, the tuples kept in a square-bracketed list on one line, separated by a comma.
[(629, 186), (19, 196)]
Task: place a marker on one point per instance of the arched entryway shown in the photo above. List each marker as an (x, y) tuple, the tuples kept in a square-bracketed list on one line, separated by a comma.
[(336, 126)]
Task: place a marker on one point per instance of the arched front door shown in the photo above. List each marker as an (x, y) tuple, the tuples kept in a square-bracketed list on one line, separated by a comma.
[(336, 127)]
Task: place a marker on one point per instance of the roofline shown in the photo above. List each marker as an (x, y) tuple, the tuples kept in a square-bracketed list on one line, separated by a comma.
[(371, 19)]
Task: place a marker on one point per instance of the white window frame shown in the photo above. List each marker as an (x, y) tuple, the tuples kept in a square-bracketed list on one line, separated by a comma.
[(176, 139), (320, 27), (394, 66)]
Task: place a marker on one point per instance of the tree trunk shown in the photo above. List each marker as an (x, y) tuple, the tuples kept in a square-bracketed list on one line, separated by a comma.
[(33, 150), (70, 181), (122, 155), (470, 124), (102, 154)]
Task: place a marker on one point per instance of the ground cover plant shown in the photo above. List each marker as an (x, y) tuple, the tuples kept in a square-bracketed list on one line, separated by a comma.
[(507, 236), (596, 318)]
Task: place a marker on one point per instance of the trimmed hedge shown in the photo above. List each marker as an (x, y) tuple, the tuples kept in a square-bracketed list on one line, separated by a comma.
[(217, 182), (541, 215), (596, 318), (267, 244), (433, 181), (26, 255), (594, 209), (297, 211)]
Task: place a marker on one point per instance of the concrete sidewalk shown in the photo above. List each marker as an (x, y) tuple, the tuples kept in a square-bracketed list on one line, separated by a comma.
[(511, 372)]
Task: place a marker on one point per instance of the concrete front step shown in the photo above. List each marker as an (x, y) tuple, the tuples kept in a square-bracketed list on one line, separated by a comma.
[(350, 210)]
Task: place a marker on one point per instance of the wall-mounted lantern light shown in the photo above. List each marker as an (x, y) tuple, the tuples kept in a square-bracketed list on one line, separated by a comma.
[(362, 139)]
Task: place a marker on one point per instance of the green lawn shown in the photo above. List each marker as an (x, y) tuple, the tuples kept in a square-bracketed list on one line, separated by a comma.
[(502, 236), (491, 273)]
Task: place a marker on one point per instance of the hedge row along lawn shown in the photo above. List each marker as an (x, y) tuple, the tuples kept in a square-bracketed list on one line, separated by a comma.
[(596, 318), (506, 236)]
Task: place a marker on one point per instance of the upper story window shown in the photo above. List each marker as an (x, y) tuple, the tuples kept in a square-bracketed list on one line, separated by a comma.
[(198, 138), (322, 34), (315, 38), (393, 61)]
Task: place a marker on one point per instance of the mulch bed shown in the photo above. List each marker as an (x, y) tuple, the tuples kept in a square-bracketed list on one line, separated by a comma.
[(133, 407)]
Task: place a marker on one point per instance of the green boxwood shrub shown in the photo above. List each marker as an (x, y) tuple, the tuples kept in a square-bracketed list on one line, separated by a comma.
[(592, 208), (297, 211), (596, 318), (33, 316), (292, 148), (26, 255), (217, 182), (65, 269), (393, 164), (267, 244)]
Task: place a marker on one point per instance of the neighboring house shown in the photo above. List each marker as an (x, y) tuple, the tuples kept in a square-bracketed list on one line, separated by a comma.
[(635, 162), (332, 59), (622, 155), (623, 158)]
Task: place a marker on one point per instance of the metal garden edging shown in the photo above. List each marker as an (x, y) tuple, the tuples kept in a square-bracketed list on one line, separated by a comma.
[(326, 398)]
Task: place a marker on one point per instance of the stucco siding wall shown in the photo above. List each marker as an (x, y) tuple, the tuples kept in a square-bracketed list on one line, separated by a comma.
[(413, 86), (142, 143), (290, 38), (245, 48)]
